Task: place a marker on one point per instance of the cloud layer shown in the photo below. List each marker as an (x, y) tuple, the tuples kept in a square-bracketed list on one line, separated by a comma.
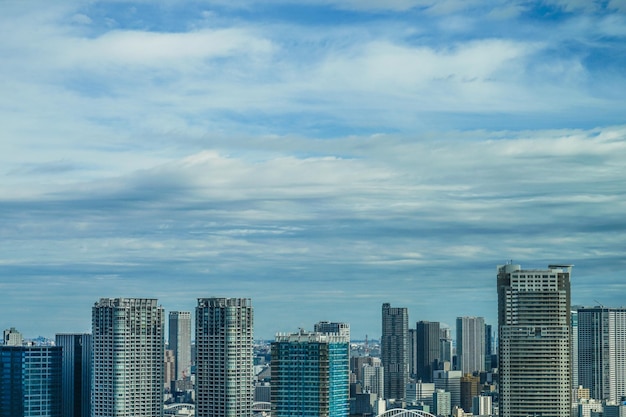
[(320, 157)]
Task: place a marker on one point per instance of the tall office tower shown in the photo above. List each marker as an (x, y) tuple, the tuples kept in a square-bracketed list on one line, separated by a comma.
[(470, 388), (470, 344), (574, 350), (357, 362), (224, 357), (445, 346), (180, 342), (481, 406), (310, 375), (534, 341), (602, 352), (373, 379), (412, 353), (394, 350), (428, 349), (76, 374), (449, 381), (343, 329), (30, 381), (488, 346), (128, 345), (11, 337)]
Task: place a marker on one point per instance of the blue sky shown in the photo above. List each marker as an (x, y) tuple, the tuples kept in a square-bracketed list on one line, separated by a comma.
[(318, 156)]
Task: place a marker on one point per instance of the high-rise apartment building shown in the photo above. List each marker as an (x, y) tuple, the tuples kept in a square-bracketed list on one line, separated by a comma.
[(76, 374), (534, 341), (394, 350), (428, 349), (602, 352), (470, 344), (128, 345), (30, 381), (310, 375), (179, 341), (224, 357), (342, 329)]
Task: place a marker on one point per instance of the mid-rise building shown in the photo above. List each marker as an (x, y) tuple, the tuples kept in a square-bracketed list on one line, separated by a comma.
[(394, 350), (76, 374), (30, 381), (481, 405), (534, 341), (310, 375), (602, 352), (470, 344), (342, 329), (179, 341), (449, 381), (128, 345), (441, 403), (428, 349), (470, 388), (373, 379), (11, 337), (420, 392), (224, 357)]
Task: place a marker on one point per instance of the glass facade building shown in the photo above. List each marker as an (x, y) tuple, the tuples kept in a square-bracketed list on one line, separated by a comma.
[(76, 374), (310, 375), (30, 381)]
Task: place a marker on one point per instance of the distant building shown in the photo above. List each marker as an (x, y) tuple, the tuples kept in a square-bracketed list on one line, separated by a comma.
[(12, 337), (481, 405), (602, 352), (310, 375), (395, 350), (30, 381), (342, 329), (470, 388), (420, 392), (224, 363), (428, 349), (76, 374), (534, 341), (449, 381), (585, 407), (373, 379), (470, 344), (441, 403), (179, 341), (169, 368), (128, 345)]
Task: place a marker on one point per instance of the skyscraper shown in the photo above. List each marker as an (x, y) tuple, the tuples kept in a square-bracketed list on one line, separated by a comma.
[(602, 352), (76, 374), (128, 347), (394, 349), (470, 344), (428, 349), (179, 326), (224, 357), (534, 341), (30, 381), (310, 375)]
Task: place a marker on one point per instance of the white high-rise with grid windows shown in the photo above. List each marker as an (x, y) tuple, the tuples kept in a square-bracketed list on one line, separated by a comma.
[(534, 341), (224, 357), (128, 344)]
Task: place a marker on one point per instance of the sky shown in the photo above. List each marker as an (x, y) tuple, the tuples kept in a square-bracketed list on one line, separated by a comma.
[(320, 157)]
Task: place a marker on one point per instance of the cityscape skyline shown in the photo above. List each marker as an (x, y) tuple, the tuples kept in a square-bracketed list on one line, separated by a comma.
[(321, 157)]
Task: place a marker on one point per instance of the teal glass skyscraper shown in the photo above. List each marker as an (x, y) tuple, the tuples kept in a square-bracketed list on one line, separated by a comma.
[(310, 375), (30, 381)]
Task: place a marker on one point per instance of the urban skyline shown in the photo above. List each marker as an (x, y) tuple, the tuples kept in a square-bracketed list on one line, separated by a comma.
[(356, 152)]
